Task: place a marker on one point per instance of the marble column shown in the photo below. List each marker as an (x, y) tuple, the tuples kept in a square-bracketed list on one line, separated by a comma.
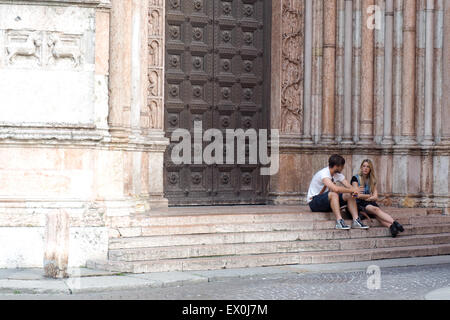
[(356, 74), (307, 114), (367, 74), (397, 71), (446, 76), (120, 62), (388, 54), (317, 71), (138, 62), (429, 62), (409, 73), (438, 56), (379, 74), (420, 70), (329, 70), (340, 84), (348, 62)]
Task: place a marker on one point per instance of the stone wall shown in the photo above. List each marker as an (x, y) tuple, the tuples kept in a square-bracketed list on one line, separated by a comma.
[(80, 135), (379, 93)]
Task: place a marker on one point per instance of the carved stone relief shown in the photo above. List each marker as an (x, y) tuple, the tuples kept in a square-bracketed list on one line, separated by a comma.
[(156, 63), (155, 57), (23, 45), (33, 49), (65, 47), (292, 67)]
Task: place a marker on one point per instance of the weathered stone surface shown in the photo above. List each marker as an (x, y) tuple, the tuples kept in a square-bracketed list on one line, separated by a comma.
[(49, 56), (56, 254)]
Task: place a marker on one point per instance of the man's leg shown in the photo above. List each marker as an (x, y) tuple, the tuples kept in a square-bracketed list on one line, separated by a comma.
[(353, 208), (351, 205), (335, 206)]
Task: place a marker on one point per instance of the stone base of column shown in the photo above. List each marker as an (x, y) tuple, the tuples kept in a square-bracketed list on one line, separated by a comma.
[(347, 140), (387, 141), (306, 140), (427, 141), (328, 140), (365, 140), (407, 141)]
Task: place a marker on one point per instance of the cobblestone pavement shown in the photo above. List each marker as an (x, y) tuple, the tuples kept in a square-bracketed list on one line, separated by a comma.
[(396, 283)]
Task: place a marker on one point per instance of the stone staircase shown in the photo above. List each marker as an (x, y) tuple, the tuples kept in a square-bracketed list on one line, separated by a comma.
[(210, 238)]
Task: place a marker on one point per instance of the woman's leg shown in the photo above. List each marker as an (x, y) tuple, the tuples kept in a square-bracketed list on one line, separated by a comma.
[(385, 219)]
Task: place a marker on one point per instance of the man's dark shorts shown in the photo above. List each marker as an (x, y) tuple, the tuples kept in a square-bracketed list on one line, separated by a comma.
[(321, 203)]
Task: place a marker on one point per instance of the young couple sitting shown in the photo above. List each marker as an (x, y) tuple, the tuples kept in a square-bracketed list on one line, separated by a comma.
[(360, 195)]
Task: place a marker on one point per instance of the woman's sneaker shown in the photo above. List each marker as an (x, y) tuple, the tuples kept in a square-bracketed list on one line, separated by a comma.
[(357, 224), (340, 225)]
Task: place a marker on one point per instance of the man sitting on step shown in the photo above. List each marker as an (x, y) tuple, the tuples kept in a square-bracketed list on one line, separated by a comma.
[(325, 196)]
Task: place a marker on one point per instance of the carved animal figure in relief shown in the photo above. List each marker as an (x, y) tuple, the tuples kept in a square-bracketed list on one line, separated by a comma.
[(30, 48), (61, 51)]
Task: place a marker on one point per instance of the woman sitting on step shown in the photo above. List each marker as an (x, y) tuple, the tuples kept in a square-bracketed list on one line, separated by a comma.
[(368, 196)]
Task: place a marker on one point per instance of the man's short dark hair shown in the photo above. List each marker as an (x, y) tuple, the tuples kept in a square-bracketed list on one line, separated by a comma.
[(336, 160)]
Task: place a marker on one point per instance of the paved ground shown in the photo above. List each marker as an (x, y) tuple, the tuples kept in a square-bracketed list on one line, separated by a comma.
[(399, 279)]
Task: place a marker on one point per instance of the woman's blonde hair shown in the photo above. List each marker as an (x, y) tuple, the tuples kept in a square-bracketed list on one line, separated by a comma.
[(372, 179)]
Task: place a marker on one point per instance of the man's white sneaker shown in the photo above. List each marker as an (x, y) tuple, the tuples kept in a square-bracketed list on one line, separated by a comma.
[(357, 224), (340, 225)]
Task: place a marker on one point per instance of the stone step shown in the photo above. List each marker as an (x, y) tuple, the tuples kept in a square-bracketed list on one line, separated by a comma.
[(246, 261), (233, 216), (257, 226), (237, 227), (178, 252), (269, 236)]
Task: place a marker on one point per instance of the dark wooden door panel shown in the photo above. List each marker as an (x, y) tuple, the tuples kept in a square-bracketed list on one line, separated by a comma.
[(214, 74)]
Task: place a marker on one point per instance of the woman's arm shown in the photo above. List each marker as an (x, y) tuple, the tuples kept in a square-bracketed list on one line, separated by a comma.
[(361, 195), (374, 196)]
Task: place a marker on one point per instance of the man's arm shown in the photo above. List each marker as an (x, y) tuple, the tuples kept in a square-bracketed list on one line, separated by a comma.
[(356, 190), (334, 188), (361, 195)]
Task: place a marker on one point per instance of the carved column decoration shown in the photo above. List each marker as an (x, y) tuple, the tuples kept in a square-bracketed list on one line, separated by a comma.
[(292, 67), (156, 64)]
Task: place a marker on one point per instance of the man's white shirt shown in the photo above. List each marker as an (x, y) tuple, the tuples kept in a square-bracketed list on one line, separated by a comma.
[(317, 184)]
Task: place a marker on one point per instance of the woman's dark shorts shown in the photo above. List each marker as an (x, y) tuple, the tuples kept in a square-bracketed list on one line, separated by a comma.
[(321, 203), (362, 204)]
